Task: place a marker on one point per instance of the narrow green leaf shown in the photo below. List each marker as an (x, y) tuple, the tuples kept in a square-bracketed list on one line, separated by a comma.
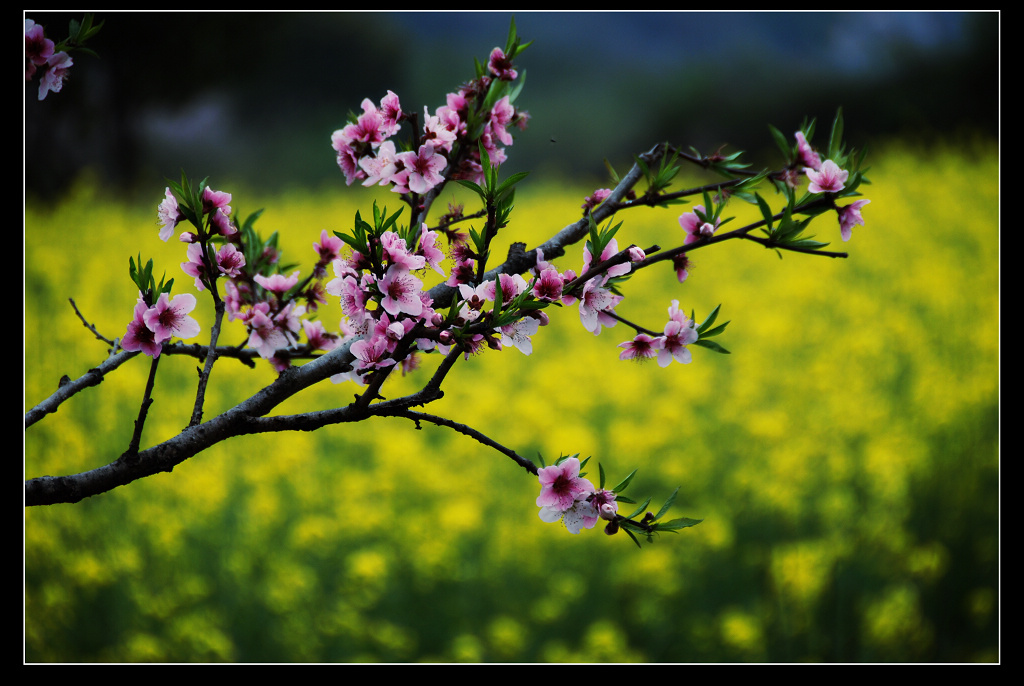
[(667, 505), (640, 509), (624, 483), (711, 345), (680, 523), (781, 141), (835, 142), (710, 320)]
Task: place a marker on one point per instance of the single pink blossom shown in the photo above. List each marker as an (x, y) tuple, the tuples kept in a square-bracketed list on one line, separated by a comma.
[(518, 334), (390, 112), (427, 248), (400, 291), (807, 155), (642, 347), (581, 515), (595, 199), (169, 317), (264, 335), (397, 252), (501, 66), (318, 337), (38, 48), (548, 286), (381, 168), (829, 179), (596, 302), (194, 266), (850, 215), (695, 225), (57, 67), (169, 215), (139, 336), (278, 284), (372, 354), (422, 170), (230, 260), (561, 485)]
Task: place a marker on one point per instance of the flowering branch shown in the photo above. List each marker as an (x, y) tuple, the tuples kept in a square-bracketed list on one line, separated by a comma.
[(392, 321)]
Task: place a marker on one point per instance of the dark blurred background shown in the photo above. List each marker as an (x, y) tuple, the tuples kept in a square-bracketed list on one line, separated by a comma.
[(254, 97)]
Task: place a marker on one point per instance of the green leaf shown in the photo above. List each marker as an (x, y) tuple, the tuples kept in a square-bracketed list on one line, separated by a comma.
[(677, 524), (715, 331), (835, 141), (709, 321), (781, 141), (640, 509), (711, 345), (624, 483), (600, 471), (766, 210), (509, 182), (667, 505)]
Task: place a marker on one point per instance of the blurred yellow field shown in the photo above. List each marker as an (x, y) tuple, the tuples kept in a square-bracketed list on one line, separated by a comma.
[(844, 457)]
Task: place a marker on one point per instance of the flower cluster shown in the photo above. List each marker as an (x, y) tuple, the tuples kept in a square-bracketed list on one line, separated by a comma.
[(448, 144), (40, 58), (567, 496), (828, 177), (680, 331)]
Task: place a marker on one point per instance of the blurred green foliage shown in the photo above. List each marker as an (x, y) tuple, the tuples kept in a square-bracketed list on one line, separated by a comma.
[(844, 459)]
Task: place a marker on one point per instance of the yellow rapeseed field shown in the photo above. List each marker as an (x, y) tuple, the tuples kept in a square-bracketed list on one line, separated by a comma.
[(844, 457)]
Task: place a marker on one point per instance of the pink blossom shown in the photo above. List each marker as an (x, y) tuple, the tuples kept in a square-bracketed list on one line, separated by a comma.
[(548, 285), (850, 215), (595, 304), (682, 265), (391, 112), (422, 170), (230, 260), (194, 266), (169, 215), (139, 336), (380, 169), (57, 67), (398, 253), (438, 133), (427, 247), (372, 354), (829, 179), (610, 251), (401, 292), (348, 158), (169, 317), (278, 284), (367, 128), (501, 66), (561, 485), (353, 297), (695, 227), (318, 337), (501, 117), (264, 335), (605, 503), (581, 515), (807, 155), (642, 347), (511, 286), (518, 334), (595, 199), (38, 48)]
